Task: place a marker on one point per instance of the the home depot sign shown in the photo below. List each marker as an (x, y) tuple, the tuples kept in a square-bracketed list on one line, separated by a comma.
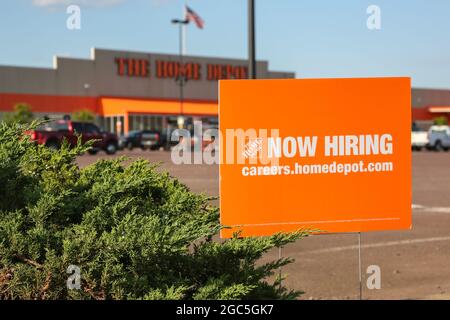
[(166, 69)]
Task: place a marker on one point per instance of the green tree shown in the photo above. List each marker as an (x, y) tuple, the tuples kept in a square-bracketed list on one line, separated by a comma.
[(83, 115), (134, 232), (440, 121), (21, 114)]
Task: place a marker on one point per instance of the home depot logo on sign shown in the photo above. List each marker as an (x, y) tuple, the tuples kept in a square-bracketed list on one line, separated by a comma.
[(336, 156), (252, 147)]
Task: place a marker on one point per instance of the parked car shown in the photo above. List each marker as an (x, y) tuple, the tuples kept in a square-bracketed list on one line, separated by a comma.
[(201, 141), (419, 138), (439, 138), (146, 139), (53, 133)]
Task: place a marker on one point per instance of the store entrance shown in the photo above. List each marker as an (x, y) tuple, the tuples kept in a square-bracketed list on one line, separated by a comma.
[(113, 124), (145, 122)]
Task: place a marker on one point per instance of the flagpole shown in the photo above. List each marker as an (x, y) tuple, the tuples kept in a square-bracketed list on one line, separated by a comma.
[(181, 69), (184, 32), (181, 79), (188, 15)]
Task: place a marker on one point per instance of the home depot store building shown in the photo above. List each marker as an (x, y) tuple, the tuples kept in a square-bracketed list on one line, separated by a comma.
[(136, 91), (126, 90)]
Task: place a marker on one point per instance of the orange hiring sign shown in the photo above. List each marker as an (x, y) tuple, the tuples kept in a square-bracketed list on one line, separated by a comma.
[(329, 154)]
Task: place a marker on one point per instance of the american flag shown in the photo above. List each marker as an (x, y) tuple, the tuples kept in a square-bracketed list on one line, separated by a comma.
[(191, 15)]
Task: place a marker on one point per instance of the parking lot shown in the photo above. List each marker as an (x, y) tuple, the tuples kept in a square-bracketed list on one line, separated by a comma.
[(415, 264)]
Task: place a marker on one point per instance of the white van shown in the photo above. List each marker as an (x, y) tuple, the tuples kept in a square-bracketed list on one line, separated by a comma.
[(419, 138)]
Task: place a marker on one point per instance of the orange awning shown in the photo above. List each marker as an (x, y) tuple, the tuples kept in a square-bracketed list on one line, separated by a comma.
[(119, 106), (439, 109)]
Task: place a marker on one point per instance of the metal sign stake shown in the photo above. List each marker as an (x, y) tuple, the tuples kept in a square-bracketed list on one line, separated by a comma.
[(279, 257), (359, 265)]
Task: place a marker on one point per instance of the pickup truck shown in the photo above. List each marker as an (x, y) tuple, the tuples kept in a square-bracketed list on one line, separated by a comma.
[(53, 133), (439, 138)]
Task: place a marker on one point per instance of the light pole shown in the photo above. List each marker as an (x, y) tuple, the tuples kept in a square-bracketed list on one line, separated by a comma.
[(251, 40), (181, 78)]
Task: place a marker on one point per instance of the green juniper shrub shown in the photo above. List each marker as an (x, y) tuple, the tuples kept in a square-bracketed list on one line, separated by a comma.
[(134, 232)]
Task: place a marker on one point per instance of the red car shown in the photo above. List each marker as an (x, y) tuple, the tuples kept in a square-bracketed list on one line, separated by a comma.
[(53, 133)]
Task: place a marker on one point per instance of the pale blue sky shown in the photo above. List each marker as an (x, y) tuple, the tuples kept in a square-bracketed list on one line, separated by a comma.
[(320, 38)]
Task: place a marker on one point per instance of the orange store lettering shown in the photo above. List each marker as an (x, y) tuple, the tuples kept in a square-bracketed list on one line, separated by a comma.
[(171, 69), (132, 67)]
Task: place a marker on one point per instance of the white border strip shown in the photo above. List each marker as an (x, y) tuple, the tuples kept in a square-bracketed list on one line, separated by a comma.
[(313, 222)]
